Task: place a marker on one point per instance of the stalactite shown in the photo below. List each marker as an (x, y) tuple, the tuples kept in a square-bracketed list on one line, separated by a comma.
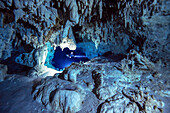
[(118, 4), (100, 9), (59, 4)]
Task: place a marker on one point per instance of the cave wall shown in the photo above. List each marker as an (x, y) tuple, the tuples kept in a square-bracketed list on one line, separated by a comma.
[(98, 26), (129, 24), (25, 23)]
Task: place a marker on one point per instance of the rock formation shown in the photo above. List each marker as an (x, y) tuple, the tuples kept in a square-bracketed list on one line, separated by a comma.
[(127, 42), (111, 87), (3, 71)]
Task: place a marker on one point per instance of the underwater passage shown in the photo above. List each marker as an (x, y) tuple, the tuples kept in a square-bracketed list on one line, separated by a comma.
[(66, 57)]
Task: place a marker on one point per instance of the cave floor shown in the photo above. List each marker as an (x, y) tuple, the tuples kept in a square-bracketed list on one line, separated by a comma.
[(15, 93), (15, 96)]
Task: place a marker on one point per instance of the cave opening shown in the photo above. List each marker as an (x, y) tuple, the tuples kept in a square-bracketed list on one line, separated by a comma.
[(66, 57)]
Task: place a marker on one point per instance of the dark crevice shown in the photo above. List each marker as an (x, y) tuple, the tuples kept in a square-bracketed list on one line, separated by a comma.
[(52, 94), (99, 107), (27, 25), (132, 100), (8, 16), (13, 67)]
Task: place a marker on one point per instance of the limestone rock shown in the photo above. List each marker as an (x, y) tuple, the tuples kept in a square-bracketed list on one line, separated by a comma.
[(71, 72), (17, 3), (68, 43), (135, 65), (50, 55), (35, 57), (3, 71), (2, 5), (99, 26), (6, 35), (73, 16), (59, 95), (98, 79), (116, 106), (26, 59), (106, 92), (19, 13), (67, 101), (144, 101), (90, 103), (132, 101)]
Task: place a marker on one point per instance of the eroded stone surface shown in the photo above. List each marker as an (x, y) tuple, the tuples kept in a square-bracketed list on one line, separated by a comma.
[(133, 101), (113, 91), (59, 95), (3, 71)]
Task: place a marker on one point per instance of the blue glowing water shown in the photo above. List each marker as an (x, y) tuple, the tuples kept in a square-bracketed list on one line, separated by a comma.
[(66, 57)]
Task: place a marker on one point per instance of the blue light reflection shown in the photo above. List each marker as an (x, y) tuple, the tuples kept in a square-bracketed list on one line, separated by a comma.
[(66, 57)]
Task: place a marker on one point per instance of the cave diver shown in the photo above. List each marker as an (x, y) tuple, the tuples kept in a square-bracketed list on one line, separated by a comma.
[(71, 55)]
